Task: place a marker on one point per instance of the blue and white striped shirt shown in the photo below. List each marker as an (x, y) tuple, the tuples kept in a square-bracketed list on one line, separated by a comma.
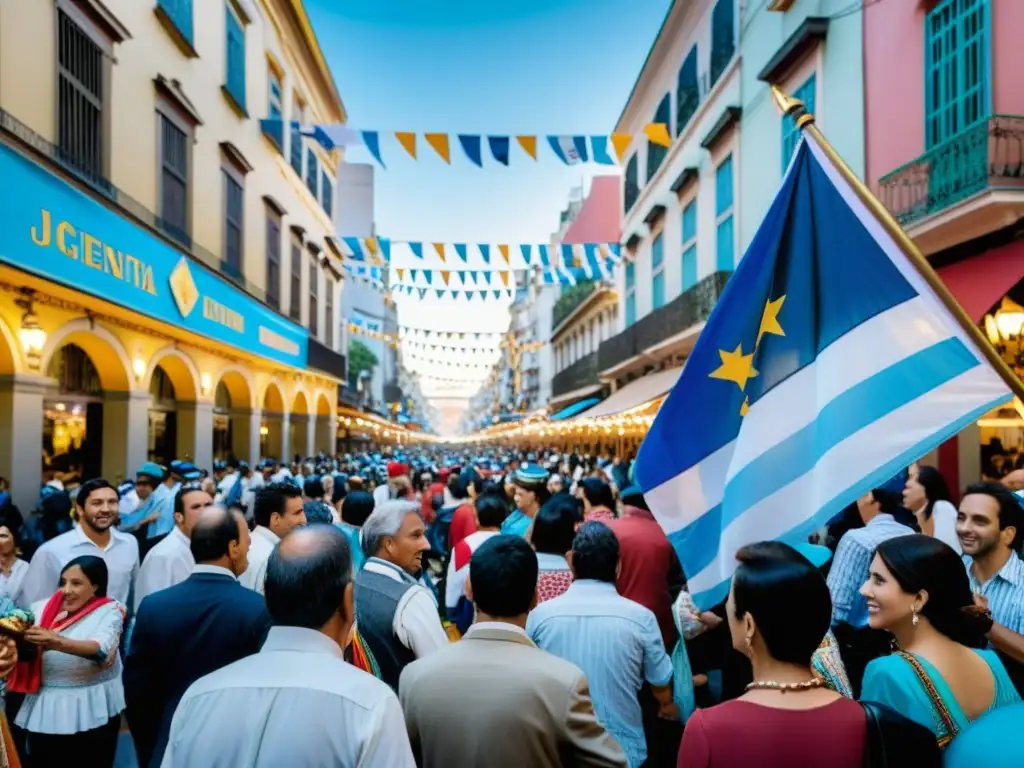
[(850, 567), (1004, 592), (617, 644)]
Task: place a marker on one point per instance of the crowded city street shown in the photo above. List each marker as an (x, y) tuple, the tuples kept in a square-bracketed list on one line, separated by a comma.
[(511, 384)]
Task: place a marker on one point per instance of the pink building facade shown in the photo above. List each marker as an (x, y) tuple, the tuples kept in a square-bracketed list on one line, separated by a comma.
[(944, 141)]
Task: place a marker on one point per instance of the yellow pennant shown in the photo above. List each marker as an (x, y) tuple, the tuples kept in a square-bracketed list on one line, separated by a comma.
[(504, 278), (408, 141), (658, 134), (504, 252), (439, 141), (621, 142), (445, 276), (400, 272), (371, 247), (439, 247), (529, 145)]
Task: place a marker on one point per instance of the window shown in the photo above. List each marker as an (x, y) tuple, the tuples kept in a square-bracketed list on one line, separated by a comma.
[(174, 167), (656, 153), (687, 91), (179, 13), (234, 225), (327, 194), (957, 63), (314, 274), (724, 242), (690, 245), (275, 131), (299, 116), (312, 171), (723, 39), (790, 132), (329, 313), (80, 99), (295, 303), (631, 188), (235, 52), (630, 293), (273, 258), (658, 272)]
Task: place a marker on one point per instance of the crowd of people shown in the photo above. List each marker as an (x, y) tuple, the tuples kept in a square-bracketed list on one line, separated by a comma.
[(504, 609)]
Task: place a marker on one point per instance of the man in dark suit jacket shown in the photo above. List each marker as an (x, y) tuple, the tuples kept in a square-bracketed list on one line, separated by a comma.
[(191, 629)]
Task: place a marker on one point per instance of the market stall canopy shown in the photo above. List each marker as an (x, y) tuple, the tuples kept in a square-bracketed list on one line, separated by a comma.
[(635, 393), (980, 282), (578, 407)]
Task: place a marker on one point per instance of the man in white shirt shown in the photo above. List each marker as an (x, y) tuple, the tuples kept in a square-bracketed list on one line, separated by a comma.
[(277, 509), (227, 482), (95, 534), (396, 615), (170, 562), (297, 701)]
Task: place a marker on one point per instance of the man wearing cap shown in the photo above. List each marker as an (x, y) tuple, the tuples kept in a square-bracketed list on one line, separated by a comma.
[(531, 491), (137, 518), (180, 472)]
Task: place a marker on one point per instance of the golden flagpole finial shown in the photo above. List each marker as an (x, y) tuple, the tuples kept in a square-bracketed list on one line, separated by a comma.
[(793, 107)]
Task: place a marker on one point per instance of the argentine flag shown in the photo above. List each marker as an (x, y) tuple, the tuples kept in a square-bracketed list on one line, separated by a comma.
[(827, 366)]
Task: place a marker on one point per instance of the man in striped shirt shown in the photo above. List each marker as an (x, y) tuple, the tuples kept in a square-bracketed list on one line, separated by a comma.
[(990, 525)]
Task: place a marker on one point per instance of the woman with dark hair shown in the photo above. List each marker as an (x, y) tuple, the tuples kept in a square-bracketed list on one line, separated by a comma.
[(74, 698), (597, 498), (553, 530), (778, 611), (918, 590), (355, 508), (927, 496), (12, 567)]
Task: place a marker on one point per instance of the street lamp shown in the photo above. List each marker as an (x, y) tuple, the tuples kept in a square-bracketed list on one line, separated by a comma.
[(31, 335)]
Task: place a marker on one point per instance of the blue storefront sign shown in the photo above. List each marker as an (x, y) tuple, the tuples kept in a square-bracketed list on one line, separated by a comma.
[(51, 229)]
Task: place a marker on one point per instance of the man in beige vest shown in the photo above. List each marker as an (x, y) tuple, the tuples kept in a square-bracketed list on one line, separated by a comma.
[(494, 699)]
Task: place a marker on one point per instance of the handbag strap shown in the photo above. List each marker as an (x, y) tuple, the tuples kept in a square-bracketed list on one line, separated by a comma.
[(933, 694)]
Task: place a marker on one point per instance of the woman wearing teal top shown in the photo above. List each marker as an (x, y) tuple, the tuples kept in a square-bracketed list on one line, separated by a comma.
[(531, 491), (918, 590)]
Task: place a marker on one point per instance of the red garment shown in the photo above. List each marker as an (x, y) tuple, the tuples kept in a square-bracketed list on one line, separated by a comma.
[(740, 733), (551, 584), (397, 469), (598, 515), (429, 513), (645, 558), (28, 675), (463, 524)]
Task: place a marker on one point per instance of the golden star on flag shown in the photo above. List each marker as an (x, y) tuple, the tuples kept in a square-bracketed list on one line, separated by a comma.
[(770, 319), (745, 407), (735, 367)]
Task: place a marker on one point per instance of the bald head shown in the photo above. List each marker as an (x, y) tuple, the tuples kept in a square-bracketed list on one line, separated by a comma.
[(213, 534), (307, 576)]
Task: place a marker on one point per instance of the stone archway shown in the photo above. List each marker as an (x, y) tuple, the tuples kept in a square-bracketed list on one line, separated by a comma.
[(301, 430), (176, 419), (235, 421), (326, 425), (274, 424)]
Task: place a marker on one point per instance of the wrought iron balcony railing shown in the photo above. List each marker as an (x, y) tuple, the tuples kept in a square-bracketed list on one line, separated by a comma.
[(580, 374), (989, 155), (568, 301)]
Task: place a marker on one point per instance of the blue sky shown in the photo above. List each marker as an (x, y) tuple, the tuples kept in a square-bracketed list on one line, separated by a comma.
[(489, 67)]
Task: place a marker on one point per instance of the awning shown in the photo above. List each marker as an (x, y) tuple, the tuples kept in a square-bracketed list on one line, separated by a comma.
[(577, 407), (980, 282), (635, 393)]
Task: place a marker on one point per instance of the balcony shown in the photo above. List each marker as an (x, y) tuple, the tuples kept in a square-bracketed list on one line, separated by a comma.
[(962, 188), (685, 311), (571, 299), (580, 374), (326, 359)]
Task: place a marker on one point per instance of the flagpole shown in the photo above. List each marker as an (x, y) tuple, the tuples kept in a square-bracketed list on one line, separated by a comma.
[(805, 122)]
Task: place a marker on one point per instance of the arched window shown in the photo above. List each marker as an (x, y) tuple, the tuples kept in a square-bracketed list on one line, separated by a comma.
[(723, 38), (687, 91), (656, 153)]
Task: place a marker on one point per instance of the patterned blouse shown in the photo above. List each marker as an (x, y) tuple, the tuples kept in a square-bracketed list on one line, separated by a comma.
[(827, 663)]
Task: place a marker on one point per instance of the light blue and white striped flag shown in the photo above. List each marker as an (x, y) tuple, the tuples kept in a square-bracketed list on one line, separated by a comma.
[(828, 365)]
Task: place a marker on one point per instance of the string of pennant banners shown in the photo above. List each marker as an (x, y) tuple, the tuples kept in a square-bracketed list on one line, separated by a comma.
[(484, 257), (601, 149)]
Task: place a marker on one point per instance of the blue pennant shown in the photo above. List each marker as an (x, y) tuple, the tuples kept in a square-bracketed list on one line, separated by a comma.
[(499, 148), (372, 142), (471, 146), (355, 247), (460, 248), (485, 252), (417, 249), (527, 250), (439, 292), (429, 274), (487, 277), (497, 294), (580, 142), (412, 274), (385, 248), (544, 258), (599, 144), (423, 293)]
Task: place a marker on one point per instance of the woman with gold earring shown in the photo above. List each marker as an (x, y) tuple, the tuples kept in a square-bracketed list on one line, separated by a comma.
[(778, 610), (918, 590)]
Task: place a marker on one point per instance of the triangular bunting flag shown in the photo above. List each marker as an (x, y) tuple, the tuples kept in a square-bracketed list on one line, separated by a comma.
[(545, 260), (497, 294), (372, 142), (400, 272), (658, 134), (371, 248), (472, 276), (528, 143), (471, 146), (567, 257), (504, 277), (439, 141), (439, 248), (499, 148), (504, 252), (355, 247), (526, 250), (445, 275), (439, 292), (460, 249), (385, 248), (412, 274), (485, 252), (580, 142), (621, 142), (408, 142), (429, 274), (600, 146), (455, 294), (487, 277), (417, 249)]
